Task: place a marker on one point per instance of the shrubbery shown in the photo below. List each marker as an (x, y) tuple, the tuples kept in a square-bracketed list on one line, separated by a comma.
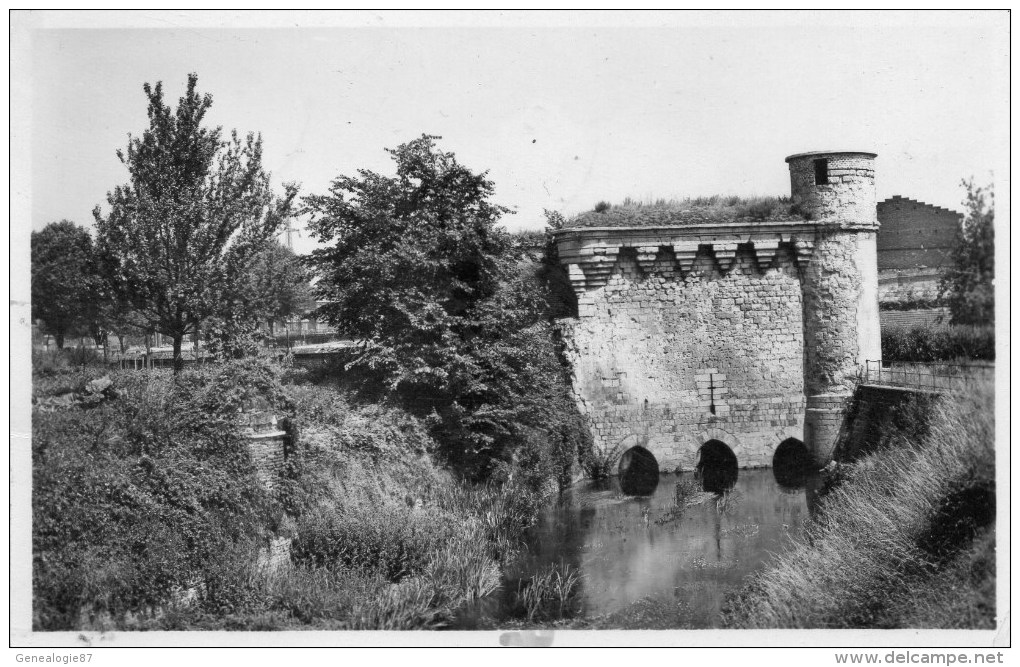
[(453, 324), (142, 495), (938, 343)]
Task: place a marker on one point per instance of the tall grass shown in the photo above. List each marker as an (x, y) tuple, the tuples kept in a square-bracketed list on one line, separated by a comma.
[(715, 208), (549, 594), (599, 463), (385, 538), (891, 541)]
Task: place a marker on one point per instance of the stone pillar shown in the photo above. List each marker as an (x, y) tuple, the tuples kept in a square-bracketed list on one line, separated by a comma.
[(841, 328), (266, 441)]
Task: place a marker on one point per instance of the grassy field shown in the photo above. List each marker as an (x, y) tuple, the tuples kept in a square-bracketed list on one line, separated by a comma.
[(904, 539)]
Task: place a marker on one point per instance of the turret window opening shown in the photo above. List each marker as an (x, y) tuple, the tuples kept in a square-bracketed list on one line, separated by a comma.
[(821, 172)]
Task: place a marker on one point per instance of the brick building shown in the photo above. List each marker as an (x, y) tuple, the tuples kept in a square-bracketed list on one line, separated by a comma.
[(915, 243)]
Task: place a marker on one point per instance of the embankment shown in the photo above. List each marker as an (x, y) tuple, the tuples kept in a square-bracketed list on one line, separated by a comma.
[(904, 537)]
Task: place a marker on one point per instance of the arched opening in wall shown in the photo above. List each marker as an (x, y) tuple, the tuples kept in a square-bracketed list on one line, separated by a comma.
[(639, 472), (791, 464), (717, 467)]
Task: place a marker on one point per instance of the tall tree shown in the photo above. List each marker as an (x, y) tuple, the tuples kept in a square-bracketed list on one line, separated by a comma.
[(197, 210), (968, 287), (407, 261), (281, 284), (449, 315), (66, 288)]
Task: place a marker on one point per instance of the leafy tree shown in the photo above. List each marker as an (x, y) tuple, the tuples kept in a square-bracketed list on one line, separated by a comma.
[(449, 317), (968, 287), (181, 234), (409, 260), (65, 286), (280, 283)]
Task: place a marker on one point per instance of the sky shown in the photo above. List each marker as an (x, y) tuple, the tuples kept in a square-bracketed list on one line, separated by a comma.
[(563, 111)]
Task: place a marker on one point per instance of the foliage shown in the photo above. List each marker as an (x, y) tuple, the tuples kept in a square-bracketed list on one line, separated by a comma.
[(559, 293), (392, 538), (892, 540), (969, 285), (57, 361), (142, 495), (449, 323), (152, 493), (180, 236), (938, 343), (690, 210), (911, 303), (408, 261), (601, 463), (337, 434), (66, 288), (232, 335), (550, 594), (280, 284)]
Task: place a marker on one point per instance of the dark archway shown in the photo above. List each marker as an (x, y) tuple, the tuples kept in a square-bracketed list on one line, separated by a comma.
[(717, 467), (639, 472), (791, 464)]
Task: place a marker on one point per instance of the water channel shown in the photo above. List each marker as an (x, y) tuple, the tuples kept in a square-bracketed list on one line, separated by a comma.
[(641, 563)]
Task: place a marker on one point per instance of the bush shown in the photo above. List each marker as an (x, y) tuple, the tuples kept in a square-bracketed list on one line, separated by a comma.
[(143, 494), (938, 343), (54, 361)]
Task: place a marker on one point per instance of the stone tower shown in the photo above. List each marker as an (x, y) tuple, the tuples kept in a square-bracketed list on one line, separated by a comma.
[(836, 190)]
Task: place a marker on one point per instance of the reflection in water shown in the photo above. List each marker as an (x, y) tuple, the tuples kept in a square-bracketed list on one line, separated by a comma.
[(651, 574), (717, 467), (639, 472)]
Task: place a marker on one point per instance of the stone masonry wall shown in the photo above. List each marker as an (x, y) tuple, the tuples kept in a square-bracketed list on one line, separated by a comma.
[(836, 329), (266, 441), (876, 414), (670, 361)]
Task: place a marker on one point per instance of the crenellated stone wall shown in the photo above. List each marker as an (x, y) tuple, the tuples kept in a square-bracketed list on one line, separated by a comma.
[(691, 335), (746, 332)]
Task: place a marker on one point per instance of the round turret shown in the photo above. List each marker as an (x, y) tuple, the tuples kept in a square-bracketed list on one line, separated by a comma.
[(841, 328), (837, 187)]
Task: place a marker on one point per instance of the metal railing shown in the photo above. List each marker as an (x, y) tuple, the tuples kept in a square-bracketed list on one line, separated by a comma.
[(935, 376)]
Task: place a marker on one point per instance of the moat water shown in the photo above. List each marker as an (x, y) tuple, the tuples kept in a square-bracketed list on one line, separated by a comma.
[(642, 564)]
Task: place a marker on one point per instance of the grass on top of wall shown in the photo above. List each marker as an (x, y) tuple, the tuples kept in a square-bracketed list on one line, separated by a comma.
[(688, 211), (905, 540)]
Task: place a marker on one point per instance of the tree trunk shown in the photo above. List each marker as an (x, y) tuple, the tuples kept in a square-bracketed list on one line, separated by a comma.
[(59, 337), (178, 359)]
